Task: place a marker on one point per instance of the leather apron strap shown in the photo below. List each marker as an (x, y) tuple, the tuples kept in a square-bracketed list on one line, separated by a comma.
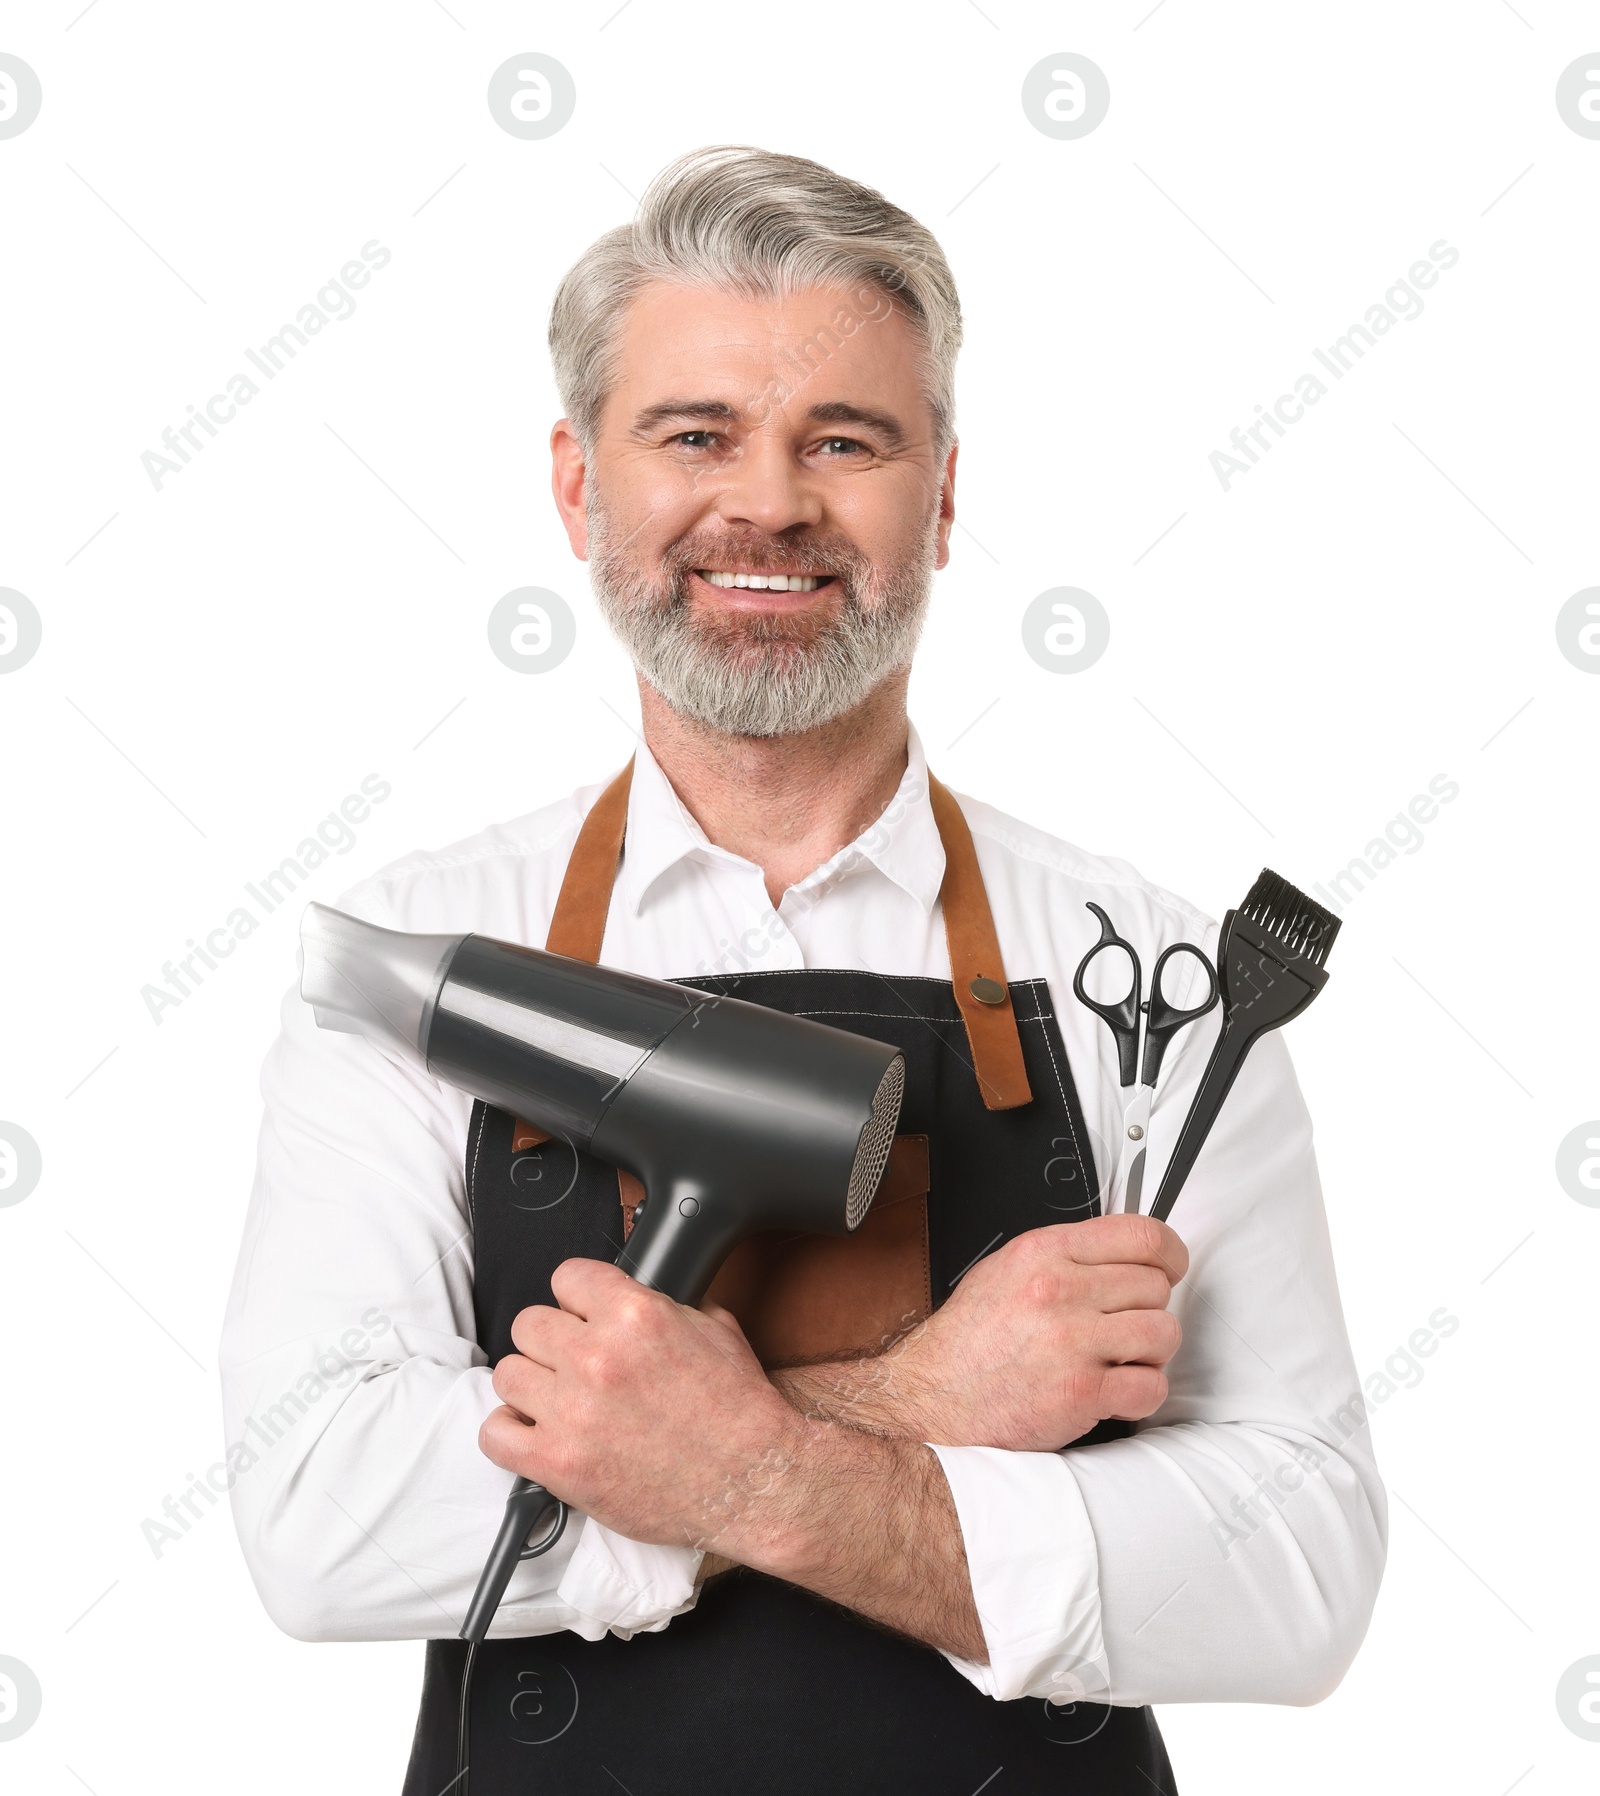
[(977, 973), (578, 922), (976, 970)]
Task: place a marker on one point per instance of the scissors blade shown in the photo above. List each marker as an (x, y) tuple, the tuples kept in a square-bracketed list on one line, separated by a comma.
[(1135, 1188), (1136, 1135)]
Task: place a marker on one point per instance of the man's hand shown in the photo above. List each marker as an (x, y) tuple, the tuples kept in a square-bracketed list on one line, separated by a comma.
[(659, 1422), (1059, 1329), (641, 1412)]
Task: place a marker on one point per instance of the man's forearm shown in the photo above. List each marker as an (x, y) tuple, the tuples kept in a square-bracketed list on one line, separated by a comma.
[(876, 1393), (865, 1521)]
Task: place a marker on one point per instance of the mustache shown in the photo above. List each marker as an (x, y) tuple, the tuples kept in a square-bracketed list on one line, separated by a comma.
[(828, 553)]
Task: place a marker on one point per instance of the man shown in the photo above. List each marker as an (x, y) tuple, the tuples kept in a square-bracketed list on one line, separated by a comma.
[(825, 1534)]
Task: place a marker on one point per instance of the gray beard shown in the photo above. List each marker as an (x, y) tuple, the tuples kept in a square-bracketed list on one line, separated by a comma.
[(761, 676)]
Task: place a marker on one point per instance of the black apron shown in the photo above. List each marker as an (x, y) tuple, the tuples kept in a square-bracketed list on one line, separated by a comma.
[(763, 1687)]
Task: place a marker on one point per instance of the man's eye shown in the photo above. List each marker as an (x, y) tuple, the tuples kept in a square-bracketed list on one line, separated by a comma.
[(695, 439), (841, 446)]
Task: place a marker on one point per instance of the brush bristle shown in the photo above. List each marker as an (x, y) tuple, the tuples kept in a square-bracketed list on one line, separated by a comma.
[(1292, 919)]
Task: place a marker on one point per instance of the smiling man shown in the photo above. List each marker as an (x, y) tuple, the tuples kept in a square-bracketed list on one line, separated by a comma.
[(957, 1497)]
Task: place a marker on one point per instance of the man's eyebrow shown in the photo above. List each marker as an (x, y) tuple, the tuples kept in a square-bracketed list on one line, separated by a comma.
[(718, 411), (841, 411), (711, 411)]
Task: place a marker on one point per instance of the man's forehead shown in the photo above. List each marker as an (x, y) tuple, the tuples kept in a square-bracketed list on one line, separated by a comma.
[(833, 345)]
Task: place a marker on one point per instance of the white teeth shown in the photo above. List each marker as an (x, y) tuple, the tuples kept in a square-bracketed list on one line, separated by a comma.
[(764, 582)]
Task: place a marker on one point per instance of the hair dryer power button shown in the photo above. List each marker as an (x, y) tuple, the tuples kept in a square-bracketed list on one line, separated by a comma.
[(689, 1206)]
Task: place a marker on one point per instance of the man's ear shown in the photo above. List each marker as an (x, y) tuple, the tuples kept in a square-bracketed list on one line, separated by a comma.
[(947, 507), (567, 468)]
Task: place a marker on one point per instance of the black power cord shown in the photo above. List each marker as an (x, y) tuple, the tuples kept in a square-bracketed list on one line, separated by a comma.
[(464, 1724)]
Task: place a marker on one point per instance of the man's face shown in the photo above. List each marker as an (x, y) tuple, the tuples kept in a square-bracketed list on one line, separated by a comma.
[(782, 441)]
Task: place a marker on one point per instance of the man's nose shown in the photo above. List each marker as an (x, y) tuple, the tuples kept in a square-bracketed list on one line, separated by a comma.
[(768, 488)]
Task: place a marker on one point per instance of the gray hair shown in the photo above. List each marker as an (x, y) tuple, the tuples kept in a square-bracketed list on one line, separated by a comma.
[(761, 224)]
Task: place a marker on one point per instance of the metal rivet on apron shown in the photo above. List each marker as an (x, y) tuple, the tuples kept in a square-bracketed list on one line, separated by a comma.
[(987, 991), (689, 1206)]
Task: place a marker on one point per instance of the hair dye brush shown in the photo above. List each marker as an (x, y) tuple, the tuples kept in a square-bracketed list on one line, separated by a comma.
[(1270, 961)]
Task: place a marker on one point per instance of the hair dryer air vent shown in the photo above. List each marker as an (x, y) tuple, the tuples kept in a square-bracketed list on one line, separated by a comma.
[(876, 1140)]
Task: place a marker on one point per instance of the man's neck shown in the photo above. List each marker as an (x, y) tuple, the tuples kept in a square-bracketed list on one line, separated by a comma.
[(788, 803)]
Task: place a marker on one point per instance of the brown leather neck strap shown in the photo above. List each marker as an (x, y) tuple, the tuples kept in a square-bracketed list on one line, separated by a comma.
[(578, 923), (977, 974)]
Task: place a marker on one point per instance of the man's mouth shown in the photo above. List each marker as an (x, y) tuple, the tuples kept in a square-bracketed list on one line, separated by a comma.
[(764, 582)]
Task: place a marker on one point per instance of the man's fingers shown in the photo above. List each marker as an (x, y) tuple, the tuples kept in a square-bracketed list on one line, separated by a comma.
[(524, 1384), (1130, 1393), (537, 1453), (585, 1287), (505, 1438), (542, 1332), (1134, 1240), (1138, 1337), (1122, 1287)]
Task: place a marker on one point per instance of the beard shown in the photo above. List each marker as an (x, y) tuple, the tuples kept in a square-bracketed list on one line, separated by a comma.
[(750, 675)]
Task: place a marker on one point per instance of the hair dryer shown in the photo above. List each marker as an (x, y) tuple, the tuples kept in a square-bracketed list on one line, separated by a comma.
[(735, 1118)]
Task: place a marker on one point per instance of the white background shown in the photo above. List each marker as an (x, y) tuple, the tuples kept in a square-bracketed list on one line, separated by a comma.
[(1295, 660)]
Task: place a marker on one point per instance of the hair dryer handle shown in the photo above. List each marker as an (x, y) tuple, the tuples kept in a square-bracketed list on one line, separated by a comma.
[(673, 1257), (525, 1507), (681, 1234)]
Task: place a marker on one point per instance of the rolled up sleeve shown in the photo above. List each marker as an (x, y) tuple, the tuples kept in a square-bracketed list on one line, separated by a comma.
[(1230, 1550), (1031, 1558)]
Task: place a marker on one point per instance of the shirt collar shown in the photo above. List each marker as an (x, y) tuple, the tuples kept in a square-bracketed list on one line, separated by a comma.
[(903, 843)]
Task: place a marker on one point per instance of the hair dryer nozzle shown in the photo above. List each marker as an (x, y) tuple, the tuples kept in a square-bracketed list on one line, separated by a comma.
[(370, 981)]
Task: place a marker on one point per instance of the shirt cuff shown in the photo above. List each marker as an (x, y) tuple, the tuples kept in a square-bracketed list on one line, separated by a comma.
[(1035, 1574), (624, 1586)]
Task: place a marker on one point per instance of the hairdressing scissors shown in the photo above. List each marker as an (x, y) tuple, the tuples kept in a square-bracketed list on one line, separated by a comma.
[(1162, 1021)]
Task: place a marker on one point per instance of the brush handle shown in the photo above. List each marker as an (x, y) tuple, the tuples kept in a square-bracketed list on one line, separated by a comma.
[(1222, 1069)]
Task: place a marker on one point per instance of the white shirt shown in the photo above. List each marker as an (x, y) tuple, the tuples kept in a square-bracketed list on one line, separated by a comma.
[(1230, 1550)]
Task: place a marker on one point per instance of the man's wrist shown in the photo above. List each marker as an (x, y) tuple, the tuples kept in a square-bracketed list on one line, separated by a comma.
[(794, 1519), (862, 1519), (761, 1515), (876, 1393)]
